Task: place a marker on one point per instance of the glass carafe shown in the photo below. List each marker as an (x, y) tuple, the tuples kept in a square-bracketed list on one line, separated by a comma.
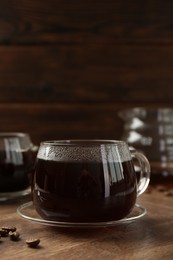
[(151, 132)]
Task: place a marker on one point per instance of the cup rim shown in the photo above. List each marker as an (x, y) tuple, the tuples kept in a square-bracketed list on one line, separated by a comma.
[(82, 142)]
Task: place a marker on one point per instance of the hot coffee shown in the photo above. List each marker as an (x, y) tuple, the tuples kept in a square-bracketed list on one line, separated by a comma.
[(17, 156), (86, 181), (84, 191), (15, 175)]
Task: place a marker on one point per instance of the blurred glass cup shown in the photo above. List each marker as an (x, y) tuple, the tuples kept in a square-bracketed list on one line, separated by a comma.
[(17, 156)]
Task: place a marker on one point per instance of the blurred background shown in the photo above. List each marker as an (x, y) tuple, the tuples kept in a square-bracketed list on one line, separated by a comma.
[(67, 67)]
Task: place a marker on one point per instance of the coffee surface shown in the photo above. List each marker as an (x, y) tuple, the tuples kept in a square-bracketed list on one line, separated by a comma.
[(114, 151)]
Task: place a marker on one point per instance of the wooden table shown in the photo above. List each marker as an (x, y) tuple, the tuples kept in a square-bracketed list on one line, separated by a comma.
[(150, 237)]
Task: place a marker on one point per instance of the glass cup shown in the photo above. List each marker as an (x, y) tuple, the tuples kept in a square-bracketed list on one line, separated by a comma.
[(17, 156), (87, 180)]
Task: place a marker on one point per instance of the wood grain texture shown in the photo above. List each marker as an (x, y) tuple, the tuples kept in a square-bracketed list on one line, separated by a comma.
[(53, 21), (66, 68), (87, 73), (64, 121)]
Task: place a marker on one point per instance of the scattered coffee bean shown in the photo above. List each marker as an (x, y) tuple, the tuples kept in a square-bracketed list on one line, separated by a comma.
[(10, 228), (32, 242), (14, 235), (3, 232)]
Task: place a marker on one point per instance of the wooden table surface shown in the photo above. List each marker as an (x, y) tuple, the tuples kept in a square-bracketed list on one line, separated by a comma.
[(150, 237)]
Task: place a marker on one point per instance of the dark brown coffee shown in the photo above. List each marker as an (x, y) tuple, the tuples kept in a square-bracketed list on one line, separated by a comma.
[(15, 174), (83, 191)]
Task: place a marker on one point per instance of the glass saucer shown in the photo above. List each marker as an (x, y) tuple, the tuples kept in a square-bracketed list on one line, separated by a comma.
[(27, 211), (4, 196)]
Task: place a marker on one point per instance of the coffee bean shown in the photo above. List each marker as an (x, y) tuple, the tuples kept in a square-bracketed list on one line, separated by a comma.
[(32, 242), (10, 228), (3, 232), (14, 235)]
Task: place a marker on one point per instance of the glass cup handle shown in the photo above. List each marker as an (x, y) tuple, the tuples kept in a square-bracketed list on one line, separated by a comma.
[(144, 172)]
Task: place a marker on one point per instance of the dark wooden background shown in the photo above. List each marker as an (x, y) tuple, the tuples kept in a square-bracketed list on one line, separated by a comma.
[(67, 67)]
